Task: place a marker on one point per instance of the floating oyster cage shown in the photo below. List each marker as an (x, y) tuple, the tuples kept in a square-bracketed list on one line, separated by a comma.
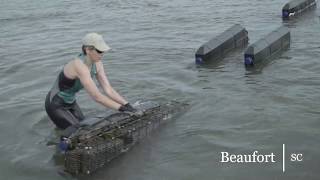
[(297, 7), (92, 147)]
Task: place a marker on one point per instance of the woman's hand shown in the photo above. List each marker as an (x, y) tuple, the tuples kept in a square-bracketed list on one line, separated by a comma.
[(127, 108)]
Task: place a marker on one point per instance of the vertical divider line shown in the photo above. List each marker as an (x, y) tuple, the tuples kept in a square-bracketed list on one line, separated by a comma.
[(283, 158)]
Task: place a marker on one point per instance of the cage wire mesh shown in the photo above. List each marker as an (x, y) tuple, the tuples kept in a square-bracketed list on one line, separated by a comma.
[(92, 147)]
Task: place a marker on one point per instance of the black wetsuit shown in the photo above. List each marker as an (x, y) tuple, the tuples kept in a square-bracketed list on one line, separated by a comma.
[(61, 105)]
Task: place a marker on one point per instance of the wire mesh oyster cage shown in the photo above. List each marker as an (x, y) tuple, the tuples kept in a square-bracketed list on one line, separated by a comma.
[(100, 140)]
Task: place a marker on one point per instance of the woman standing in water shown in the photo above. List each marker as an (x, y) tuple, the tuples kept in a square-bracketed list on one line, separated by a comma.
[(61, 105)]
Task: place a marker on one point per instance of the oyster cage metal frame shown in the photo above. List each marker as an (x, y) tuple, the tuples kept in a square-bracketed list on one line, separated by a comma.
[(91, 148)]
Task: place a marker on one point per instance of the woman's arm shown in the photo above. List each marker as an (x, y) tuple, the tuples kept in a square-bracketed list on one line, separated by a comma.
[(82, 72), (108, 89)]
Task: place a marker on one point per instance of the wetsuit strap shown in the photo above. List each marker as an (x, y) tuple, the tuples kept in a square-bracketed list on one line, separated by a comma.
[(55, 89)]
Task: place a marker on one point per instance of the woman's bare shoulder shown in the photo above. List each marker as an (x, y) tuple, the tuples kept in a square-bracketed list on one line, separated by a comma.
[(73, 67)]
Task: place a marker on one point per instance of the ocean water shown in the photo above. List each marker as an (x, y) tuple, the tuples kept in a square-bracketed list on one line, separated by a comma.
[(153, 44)]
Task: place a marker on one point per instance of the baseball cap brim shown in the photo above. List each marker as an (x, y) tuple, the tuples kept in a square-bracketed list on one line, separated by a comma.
[(102, 47)]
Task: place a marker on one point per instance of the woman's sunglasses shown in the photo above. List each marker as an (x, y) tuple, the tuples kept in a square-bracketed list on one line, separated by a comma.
[(100, 52), (93, 48)]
